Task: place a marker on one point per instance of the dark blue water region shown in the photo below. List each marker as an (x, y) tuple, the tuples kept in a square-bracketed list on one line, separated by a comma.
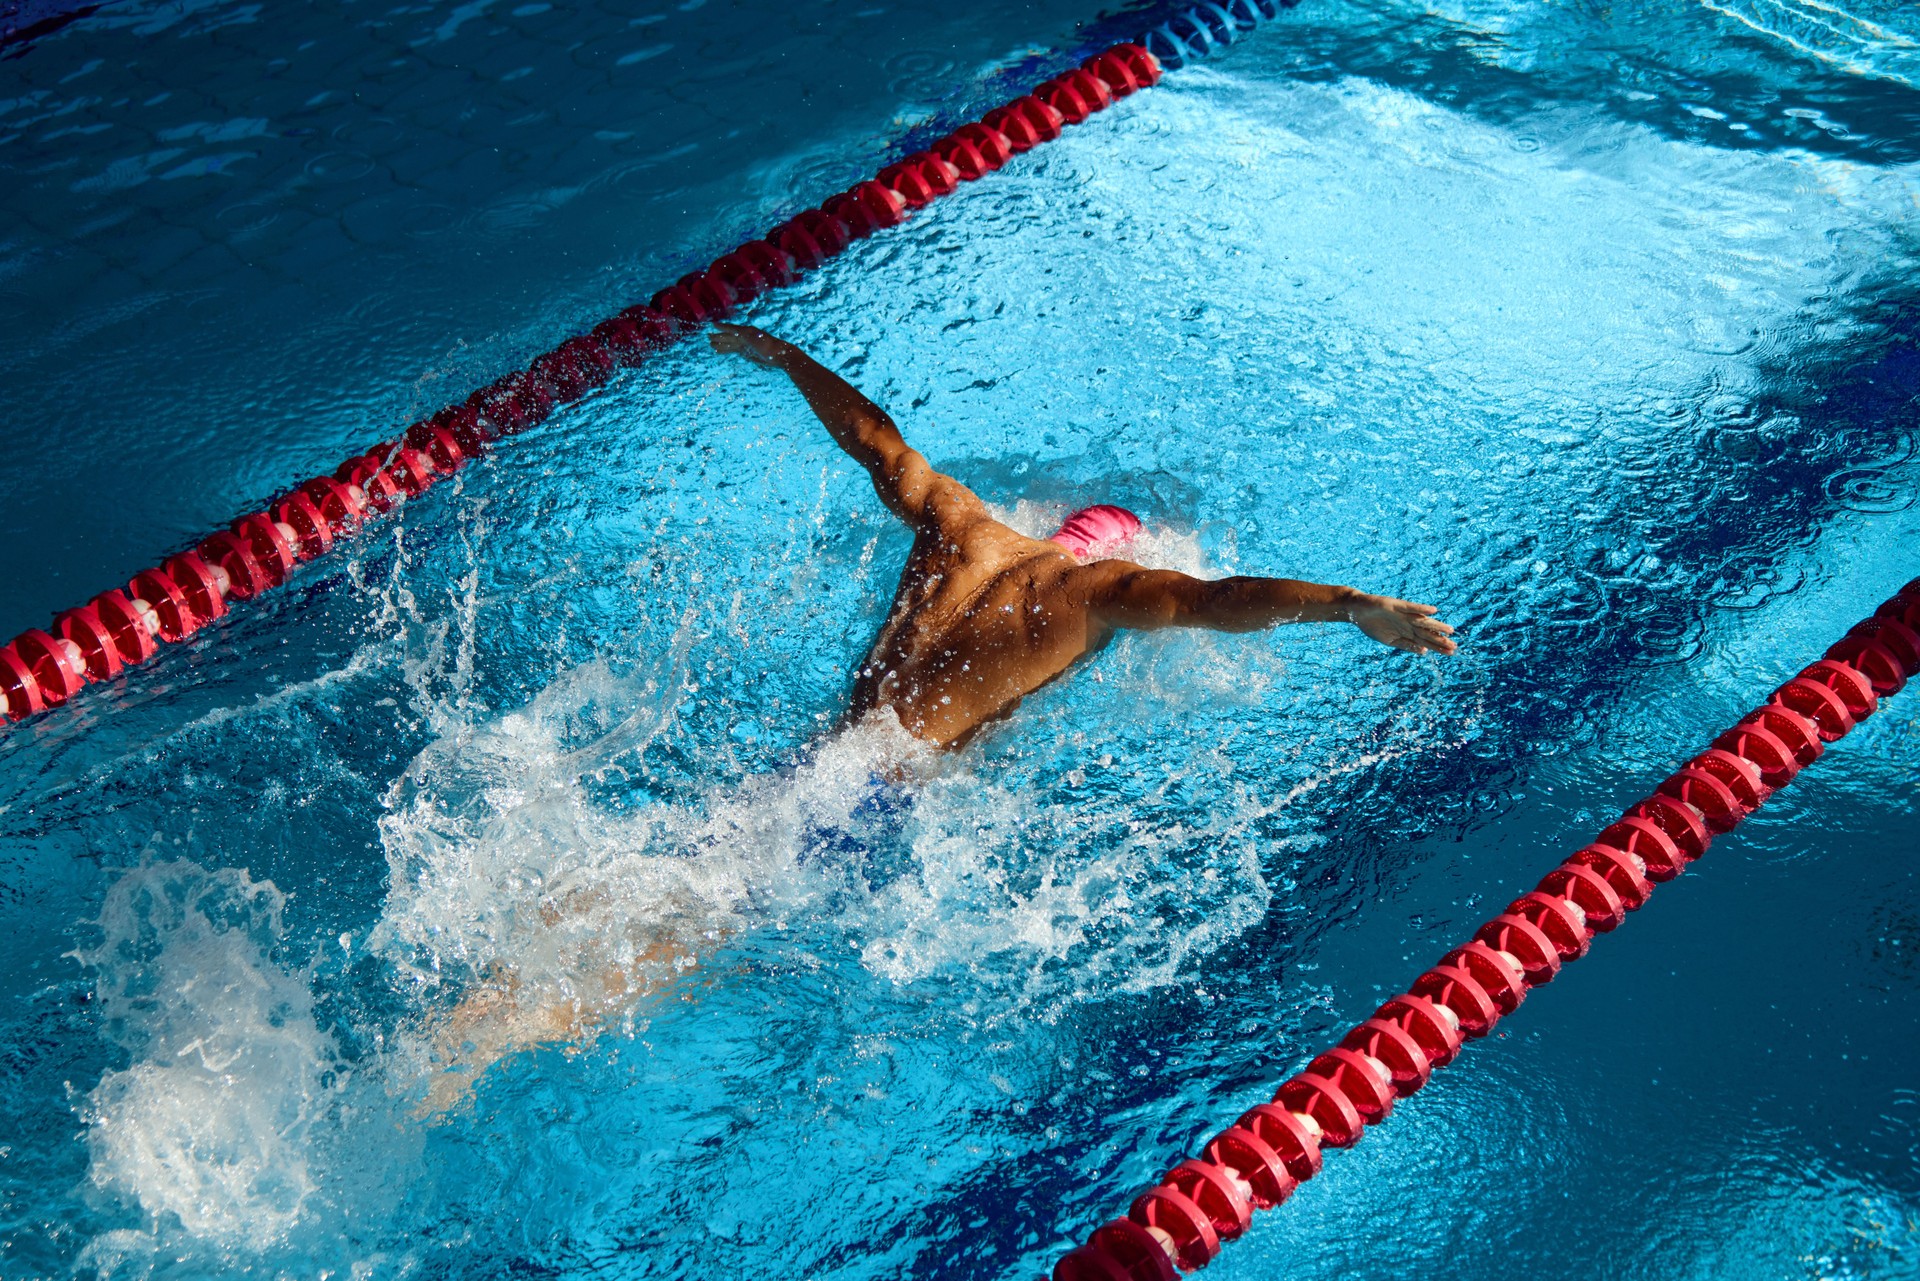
[(235, 244), (1634, 403)]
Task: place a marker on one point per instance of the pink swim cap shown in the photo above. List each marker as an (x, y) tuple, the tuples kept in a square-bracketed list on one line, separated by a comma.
[(1104, 528)]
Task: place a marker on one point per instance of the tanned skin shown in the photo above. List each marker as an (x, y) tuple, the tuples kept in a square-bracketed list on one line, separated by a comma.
[(984, 615)]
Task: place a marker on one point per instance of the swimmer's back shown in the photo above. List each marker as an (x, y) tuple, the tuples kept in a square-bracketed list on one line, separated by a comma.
[(983, 617)]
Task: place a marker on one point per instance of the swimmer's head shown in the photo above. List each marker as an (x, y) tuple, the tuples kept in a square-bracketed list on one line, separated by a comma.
[(1103, 530)]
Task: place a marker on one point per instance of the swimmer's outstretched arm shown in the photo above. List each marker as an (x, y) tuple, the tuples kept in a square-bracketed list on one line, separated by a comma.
[(905, 481), (1121, 594)]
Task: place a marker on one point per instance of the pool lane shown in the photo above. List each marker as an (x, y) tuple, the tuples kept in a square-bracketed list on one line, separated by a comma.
[(1324, 329)]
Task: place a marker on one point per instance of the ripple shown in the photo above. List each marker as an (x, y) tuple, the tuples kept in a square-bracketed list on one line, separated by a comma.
[(919, 73), (1867, 489), (249, 216), (339, 166)]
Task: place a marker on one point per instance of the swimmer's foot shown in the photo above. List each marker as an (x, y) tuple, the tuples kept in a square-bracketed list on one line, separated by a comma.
[(491, 1023), (503, 1016)]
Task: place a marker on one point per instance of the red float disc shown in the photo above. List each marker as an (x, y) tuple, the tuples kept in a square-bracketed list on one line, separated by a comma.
[(712, 293), (199, 584), (247, 577), (1436, 1029), (379, 491), (1134, 1249), (312, 533), (1500, 977), (270, 546), (1044, 118), (1625, 872), (1740, 775), (1287, 1135), (656, 330), (440, 446), (1590, 890), (83, 626), (1341, 1124), (1367, 1082), (773, 263), (1075, 95), (169, 601), (591, 354), (1141, 62), (511, 404), (1218, 1192), (1559, 920), (1682, 822), (807, 252), (1761, 748), (740, 276), (623, 338), (1113, 72), (682, 306), (921, 178), (56, 669), (410, 469), (558, 375), (1854, 689), (1195, 1243), (1025, 123), (133, 635), (867, 207), (1790, 727), (1396, 1047), (1902, 640), (1653, 841), (1520, 938), (1256, 1163), (1904, 609), (1714, 800), (1460, 992), (1089, 1264), (1874, 660), (1826, 709), (341, 507), (832, 234), (19, 691), (975, 150)]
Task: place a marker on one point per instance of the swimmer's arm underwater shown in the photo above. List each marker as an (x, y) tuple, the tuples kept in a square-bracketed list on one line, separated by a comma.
[(1121, 594), (905, 481)]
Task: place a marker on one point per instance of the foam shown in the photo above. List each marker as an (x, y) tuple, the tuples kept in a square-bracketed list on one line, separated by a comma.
[(209, 1125)]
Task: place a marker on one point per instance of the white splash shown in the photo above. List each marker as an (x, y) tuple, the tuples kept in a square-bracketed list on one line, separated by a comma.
[(210, 1124)]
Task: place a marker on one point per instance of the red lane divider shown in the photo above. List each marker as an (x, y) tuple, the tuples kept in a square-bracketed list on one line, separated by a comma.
[(120, 628), (1179, 1224)]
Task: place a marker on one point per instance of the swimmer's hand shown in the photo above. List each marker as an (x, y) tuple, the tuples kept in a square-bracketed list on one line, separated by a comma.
[(757, 345), (1402, 624)]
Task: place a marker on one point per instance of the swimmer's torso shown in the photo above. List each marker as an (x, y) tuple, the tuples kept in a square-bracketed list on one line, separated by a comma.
[(983, 617)]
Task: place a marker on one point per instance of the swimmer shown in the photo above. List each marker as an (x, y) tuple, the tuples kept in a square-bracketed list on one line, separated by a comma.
[(985, 615)]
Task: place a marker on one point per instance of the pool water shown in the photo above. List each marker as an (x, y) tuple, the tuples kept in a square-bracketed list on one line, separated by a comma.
[(1593, 327)]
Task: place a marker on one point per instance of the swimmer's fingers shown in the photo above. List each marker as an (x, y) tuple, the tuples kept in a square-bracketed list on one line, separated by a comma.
[(757, 345), (1433, 635)]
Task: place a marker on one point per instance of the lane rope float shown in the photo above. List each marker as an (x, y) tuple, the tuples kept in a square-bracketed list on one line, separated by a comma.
[(1180, 1223), (122, 627)]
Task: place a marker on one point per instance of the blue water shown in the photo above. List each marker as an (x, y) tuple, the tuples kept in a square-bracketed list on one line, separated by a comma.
[(1594, 327)]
